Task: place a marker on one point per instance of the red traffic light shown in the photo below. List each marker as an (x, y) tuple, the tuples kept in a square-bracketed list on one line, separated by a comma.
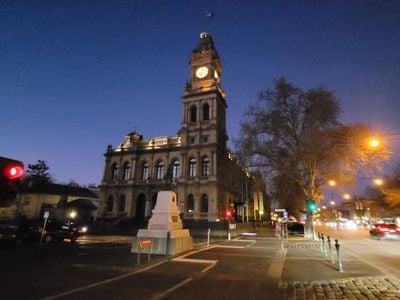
[(11, 169), (13, 172), (228, 213)]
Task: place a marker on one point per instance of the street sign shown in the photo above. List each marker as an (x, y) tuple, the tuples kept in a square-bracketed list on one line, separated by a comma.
[(145, 244), (46, 214)]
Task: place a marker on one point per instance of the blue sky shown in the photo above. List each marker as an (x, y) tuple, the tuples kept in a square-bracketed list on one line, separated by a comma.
[(79, 75)]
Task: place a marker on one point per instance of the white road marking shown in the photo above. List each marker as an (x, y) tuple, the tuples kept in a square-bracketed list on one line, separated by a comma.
[(87, 287), (276, 267)]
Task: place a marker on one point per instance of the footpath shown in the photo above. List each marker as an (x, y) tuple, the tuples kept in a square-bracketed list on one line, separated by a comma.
[(311, 273)]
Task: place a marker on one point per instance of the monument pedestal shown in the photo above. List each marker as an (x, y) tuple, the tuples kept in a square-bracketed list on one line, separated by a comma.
[(164, 233)]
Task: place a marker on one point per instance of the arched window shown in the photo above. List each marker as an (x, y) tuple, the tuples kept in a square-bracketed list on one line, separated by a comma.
[(121, 204), (127, 171), (145, 171), (193, 113), (110, 204), (205, 166), (190, 204), (175, 169), (204, 204), (206, 112), (192, 167), (160, 170), (114, 172)]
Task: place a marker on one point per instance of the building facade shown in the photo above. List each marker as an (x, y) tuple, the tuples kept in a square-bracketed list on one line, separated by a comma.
[(195, 163)]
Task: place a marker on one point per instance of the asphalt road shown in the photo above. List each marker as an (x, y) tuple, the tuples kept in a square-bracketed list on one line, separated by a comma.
[(381, 254), (102, 267)]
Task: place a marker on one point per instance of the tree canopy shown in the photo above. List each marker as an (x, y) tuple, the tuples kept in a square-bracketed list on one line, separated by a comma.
[(296, 134), (38, 173)]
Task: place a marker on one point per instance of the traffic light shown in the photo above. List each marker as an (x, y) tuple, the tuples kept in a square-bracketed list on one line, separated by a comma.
[(11, 169), (311, 205), (228, 213)]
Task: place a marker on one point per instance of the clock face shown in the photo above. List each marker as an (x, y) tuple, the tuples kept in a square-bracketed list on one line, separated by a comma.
[(201, 72)]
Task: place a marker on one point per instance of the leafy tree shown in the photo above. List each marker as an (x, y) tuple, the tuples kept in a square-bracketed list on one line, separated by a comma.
[(391, 189), (38, 173), (296, 134)]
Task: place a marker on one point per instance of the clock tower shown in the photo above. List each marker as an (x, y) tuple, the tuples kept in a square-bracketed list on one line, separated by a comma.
[(204, 105)]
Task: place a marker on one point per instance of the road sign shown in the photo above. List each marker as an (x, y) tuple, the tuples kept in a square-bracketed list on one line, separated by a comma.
[(145, 244)]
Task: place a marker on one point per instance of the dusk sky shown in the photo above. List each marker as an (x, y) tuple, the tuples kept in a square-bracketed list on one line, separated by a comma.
[(76, 76)]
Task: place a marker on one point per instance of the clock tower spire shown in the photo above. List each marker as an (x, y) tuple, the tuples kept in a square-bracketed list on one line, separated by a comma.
[(204, 105)]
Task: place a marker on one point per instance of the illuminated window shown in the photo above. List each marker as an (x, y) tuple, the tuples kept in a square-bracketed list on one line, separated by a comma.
[(192, 167), (205, 166)]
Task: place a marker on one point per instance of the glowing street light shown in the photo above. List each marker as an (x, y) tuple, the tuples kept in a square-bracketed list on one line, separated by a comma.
[(378, 181), (346, 196), (332, 182), (374, 143), (333, 203)]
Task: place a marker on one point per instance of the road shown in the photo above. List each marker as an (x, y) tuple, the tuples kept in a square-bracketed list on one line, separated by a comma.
[(104, 268), (252, 267), (381, 254)]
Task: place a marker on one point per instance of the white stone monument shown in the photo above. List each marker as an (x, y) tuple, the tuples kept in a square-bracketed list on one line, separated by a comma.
[(164, 233)]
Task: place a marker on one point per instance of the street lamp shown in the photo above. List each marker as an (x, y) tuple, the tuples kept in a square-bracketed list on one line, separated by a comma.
[(346, 196), (378, 181), (332, 182), (373, 143)]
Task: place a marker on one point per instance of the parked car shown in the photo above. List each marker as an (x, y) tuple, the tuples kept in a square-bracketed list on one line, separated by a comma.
[(385, 231), (295, 228), (19, 231), (55, 231), (82, 228)]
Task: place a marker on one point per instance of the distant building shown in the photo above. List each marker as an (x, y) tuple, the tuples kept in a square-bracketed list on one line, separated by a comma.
[(60, 200), (195, 163)]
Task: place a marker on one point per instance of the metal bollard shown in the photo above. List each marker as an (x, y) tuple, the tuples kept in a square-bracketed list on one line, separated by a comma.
[(330, 249), (323, 246), (337, 246), (320, 241)]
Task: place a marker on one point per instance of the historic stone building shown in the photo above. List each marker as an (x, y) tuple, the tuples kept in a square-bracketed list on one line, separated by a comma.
[(195, 163)]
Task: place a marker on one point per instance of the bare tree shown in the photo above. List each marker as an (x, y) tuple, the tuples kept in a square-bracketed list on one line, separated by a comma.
[(296, 134)]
